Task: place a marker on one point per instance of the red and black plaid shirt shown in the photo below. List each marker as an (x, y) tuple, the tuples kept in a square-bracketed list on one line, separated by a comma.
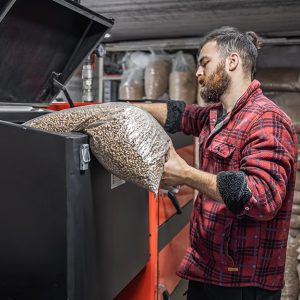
[(249, 248)]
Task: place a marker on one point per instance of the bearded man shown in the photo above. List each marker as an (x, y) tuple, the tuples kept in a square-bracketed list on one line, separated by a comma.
[(248, 153)]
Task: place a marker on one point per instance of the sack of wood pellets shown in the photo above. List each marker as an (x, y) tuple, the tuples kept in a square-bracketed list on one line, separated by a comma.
[(157, 75), (183, 83), (132, 84), (132, 81), (126, 140)]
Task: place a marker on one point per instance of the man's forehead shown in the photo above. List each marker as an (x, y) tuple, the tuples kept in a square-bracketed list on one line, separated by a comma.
[(208, 49)]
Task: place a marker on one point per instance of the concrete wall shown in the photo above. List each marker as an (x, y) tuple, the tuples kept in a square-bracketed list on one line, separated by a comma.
[(279, 56)]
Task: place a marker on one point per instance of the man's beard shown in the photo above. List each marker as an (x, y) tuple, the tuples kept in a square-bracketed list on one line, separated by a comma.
[(214, 85)]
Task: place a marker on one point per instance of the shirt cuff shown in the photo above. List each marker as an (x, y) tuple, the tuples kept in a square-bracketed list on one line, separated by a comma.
[(234, 190), (174, 115)]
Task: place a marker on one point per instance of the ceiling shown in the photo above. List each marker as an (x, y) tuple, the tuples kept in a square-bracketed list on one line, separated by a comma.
[(156, 19)]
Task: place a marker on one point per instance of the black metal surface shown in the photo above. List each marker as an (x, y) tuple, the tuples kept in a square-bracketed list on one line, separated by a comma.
[(21, 117), (42, 37), (64, 234), (168, 230), (122, 230), (33, 212), (80, 223)]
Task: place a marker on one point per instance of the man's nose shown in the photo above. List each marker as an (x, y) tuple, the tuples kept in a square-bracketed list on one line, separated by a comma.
[(199, 72)]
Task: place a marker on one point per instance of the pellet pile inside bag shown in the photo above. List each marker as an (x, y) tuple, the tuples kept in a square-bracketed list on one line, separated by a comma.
[(126, 140)]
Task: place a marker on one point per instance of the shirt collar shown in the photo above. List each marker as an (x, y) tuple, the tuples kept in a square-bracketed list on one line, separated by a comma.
[(241, 102), (247, 96)]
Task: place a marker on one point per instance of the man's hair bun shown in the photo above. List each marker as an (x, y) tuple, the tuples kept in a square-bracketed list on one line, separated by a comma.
[(255, 39)]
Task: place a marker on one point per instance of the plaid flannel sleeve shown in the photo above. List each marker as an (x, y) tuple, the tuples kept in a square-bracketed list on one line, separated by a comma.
[(267, 160), (194, 117), (186, 118)]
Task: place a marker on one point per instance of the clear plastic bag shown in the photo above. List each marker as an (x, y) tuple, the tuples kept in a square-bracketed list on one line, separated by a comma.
[(126, 140), (157, 75), (183, 83), (132, 80), (132, 85), (183, 62)]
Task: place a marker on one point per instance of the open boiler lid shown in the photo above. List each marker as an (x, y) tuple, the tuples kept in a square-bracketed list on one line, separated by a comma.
[(41, 41)]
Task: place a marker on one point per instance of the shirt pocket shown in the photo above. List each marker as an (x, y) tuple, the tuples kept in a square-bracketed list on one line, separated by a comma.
[(224, 154)]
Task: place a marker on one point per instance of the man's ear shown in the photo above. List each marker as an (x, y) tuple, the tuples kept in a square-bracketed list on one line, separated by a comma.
[(233, 61)]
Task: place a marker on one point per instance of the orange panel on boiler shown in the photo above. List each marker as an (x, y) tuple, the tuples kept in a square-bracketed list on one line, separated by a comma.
[(170, 257), (167, 209)]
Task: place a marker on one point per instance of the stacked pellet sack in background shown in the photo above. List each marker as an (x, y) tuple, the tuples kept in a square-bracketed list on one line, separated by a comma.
[(182, 81), (157, 75), (132, 80)]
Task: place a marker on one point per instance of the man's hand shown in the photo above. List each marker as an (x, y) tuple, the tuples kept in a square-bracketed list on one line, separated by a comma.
[(175, 170), (178, 172)]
